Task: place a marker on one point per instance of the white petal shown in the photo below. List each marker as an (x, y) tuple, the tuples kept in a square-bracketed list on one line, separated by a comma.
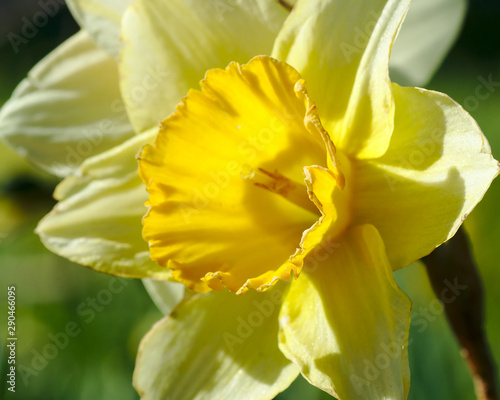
[(102, 20), (165, 294), (169, 45), (97, 221), (216, 346), (69, 108), (429, 30)]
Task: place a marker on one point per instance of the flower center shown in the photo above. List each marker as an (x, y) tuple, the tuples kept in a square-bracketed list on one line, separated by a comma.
[(277, 183), (244, 181)]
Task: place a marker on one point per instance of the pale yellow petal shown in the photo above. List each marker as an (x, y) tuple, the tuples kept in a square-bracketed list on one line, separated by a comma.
[(68, 108), (341, 48), (102, 21), (171, 44), (217, 346), (97, 221), (165, 294), (437, 168), (345, 323), (428, 32)]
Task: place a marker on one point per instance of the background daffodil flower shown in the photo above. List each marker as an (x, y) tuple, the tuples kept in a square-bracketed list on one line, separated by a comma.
[(333, 320)]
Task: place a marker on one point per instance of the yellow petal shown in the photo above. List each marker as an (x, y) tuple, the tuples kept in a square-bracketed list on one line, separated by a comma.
[(429, 30), (68, 108), (212, 219), (97, 221), (345, 323), (101, 19), (437, 168), (342, 48), (170, 45), (215, 347), (333, 202)]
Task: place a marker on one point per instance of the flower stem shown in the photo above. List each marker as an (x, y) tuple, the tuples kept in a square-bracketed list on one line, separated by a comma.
[(453, 262), (285, 4)]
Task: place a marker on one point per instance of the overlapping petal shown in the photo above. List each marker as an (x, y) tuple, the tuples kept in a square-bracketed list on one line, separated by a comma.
[(345, 322), (170, 45), (216, 346), (97, 221), (69, 108), (437, 168), (102, 21), (345, 62), (165, 294), (427, 34)]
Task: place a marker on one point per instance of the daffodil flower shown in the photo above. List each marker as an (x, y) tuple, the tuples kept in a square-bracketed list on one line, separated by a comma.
[(283, 194)]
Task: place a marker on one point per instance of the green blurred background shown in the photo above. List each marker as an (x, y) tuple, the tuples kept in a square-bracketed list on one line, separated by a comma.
[(98, 362)]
